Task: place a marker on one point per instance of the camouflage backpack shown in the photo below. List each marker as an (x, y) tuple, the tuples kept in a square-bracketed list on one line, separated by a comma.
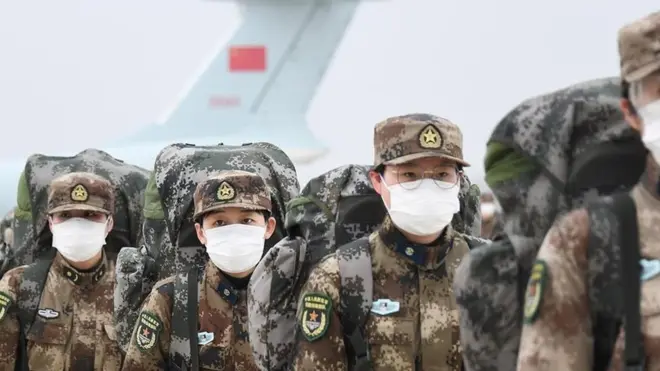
[(338, 208), (32, 238), (549, 155), (170, 244)]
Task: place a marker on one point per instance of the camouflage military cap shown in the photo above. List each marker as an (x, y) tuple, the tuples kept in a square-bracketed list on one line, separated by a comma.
[(232, 188), (81, 191), (639, 47), (405, 138)]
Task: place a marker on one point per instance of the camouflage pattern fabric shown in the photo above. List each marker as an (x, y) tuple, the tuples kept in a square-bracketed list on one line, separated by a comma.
[(405, 138), (413, 285), (222, 322), (315, 215), (6, 234), (315, 211), (6, 240), (639, 47), (30, 230), (72, 328), (336, 208), (81, 191), (552, 130), (568, 252), (231, 188), (587, 240), (180, 167), (169, 210)]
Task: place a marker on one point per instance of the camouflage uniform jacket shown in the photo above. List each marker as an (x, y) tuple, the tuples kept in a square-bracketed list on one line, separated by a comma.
[(72, 329), (422, 335), (560, 336), (222, 313)]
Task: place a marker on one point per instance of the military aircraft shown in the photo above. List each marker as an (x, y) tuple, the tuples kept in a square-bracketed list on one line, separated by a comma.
[(256, 88)]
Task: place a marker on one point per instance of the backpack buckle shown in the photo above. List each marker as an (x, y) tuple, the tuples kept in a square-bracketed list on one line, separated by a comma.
[(360, 350)]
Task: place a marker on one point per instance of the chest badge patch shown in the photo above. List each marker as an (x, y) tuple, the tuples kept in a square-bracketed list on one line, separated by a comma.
[(535, 290), (315, 318), (383, 307), (650, 268), (147, 331), (48, 313), (5, 304), (204, 338)]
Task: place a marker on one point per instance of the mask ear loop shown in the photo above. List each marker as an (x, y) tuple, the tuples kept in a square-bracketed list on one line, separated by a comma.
[(383, 182)]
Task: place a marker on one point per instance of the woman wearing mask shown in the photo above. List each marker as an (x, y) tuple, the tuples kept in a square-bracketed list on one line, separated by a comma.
[(413, 323), (71, 328), (232, 219)]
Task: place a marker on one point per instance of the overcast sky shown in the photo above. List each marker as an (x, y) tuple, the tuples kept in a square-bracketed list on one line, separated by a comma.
[(105, 68)]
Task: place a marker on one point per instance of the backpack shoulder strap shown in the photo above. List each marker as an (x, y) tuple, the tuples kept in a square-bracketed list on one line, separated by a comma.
[(624, 207), (356, 298), (183, 349), (30, 289)]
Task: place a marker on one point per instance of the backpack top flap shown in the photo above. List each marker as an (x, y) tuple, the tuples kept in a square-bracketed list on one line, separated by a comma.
[(130, 182), (556, 127), (179, 167), (314, 213)]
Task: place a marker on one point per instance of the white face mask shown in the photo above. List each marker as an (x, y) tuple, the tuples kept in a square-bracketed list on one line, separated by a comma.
[(78, 239), (650, 115), (423, 209), (235, 248)]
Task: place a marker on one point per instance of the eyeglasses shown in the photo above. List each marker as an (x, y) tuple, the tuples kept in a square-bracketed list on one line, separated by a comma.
[(444, 177)]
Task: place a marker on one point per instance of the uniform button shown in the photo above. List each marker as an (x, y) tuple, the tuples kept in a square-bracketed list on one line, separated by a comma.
[(226, 292), (410, 251)]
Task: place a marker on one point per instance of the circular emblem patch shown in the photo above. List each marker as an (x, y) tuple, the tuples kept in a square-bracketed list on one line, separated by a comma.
[(226, 192), (534, 293), (79, 193), (430, 137)]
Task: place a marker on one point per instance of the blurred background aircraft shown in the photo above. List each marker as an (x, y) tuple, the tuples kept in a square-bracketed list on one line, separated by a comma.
[(77, 74)]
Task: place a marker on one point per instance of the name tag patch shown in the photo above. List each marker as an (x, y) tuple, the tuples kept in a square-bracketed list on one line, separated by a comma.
[(48, 313)]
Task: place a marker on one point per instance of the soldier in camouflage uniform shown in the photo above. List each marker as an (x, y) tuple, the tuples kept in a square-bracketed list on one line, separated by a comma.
[(72, 328), (233, 220), (413, 323), (557, 334)]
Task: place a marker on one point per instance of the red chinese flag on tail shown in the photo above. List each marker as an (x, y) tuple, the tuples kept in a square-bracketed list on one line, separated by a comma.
[(247, 59)]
